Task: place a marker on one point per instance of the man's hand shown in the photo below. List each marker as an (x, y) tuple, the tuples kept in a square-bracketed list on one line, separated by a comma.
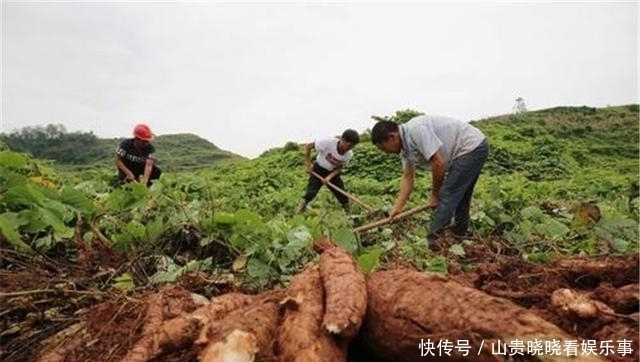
[(131, 177), (309, 168), (393, 214), (433, 201), (325, 180)]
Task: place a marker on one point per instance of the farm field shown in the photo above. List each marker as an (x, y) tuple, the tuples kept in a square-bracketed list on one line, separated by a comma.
[(214, 260)]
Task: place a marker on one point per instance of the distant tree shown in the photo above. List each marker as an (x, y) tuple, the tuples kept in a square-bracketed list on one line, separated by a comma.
[(400, 117), (291, 146), (53, 142), (519, 107)]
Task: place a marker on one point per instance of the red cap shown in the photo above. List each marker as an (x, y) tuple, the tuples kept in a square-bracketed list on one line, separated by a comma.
[(143, 132)]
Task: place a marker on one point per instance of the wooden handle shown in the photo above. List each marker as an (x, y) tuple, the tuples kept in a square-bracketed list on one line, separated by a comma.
[(355, 199), (385, 221)]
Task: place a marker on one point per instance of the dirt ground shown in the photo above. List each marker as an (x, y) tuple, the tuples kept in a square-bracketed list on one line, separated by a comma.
[(44, 294)]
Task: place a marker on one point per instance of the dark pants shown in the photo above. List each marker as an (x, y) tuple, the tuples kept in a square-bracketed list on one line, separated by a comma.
[(314, 184), (138, 170), (455, 195)]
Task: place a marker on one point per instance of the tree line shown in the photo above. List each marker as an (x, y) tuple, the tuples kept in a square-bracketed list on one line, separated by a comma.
[(54, 142)]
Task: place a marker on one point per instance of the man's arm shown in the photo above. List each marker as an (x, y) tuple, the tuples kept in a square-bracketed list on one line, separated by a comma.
[(307, 156), (406, 187), (148, 167), (437, 178), (121, 166)]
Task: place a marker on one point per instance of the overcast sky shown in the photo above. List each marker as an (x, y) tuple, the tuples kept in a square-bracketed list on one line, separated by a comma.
[(252, 76)]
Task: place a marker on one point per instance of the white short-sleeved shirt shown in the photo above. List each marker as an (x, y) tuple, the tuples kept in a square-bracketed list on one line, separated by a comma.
[(422, 136), (328, 156)]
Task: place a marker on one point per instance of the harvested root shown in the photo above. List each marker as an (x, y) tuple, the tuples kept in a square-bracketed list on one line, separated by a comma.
[(242, 335), (619, 273), (623, 300), (408, 309), (146, 348), (345, 292), (324, 244), (300, 336), (69, 339), (570, 302), (199, 300), (221, 306), (238, 346), (160, 337)]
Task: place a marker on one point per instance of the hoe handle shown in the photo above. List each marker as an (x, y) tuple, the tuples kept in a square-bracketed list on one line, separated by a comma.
[(388, 220), (355, 199)]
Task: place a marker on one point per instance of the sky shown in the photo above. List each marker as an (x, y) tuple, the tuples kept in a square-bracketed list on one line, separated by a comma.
[(250, 76)]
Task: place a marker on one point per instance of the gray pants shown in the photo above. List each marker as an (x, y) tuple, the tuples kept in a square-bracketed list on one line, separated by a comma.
[(455, 195)]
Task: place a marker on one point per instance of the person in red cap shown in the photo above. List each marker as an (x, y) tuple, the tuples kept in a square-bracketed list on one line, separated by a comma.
[(134, 157)]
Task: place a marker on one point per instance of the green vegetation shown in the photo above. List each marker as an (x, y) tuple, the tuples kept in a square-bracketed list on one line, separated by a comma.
[(543, 167), (83, 150)]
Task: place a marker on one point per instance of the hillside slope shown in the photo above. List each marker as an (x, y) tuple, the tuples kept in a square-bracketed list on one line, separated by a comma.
[(181, 151), (577, 152), (547, 144), (83, 150)]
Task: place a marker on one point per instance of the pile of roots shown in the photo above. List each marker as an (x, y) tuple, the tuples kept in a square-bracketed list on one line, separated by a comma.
[(506, 310)]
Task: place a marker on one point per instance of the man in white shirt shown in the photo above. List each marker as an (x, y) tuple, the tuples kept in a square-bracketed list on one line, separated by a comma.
[(446, 146), (332, 155)]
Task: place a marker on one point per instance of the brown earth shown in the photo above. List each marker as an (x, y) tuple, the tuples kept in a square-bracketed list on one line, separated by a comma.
[(44, 295)]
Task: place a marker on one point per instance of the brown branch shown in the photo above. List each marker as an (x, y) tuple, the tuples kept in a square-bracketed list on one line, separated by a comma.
[(388, 220)]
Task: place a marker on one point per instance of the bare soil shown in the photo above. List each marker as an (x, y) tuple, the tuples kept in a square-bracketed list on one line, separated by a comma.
[(45, 294)]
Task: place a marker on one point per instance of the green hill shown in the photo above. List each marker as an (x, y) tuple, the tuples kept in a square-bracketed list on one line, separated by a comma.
[(550, 144), (81, 150), (182, 151), (580, 153)]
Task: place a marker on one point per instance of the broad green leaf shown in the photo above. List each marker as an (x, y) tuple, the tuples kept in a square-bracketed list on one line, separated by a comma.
[(79, 201), (154, 230), (8, 181), (224, 218), (66, 233), (198, 265), (12, 160), (553, 229), (135, 229), (298, 240), (173, 272), (258, 269), (127, 198), (345, 238), (457, 249), (515, 238), (9, 223), (299, 236), (388, 246), (532, 213), (538, 257), (247, 216), (24, 194), (620, 245), (437, 264), (283, 262), (124, 282), (54, 218), (33, 221), (44, 242), (527, 229), (386, 232), (370, 260)]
